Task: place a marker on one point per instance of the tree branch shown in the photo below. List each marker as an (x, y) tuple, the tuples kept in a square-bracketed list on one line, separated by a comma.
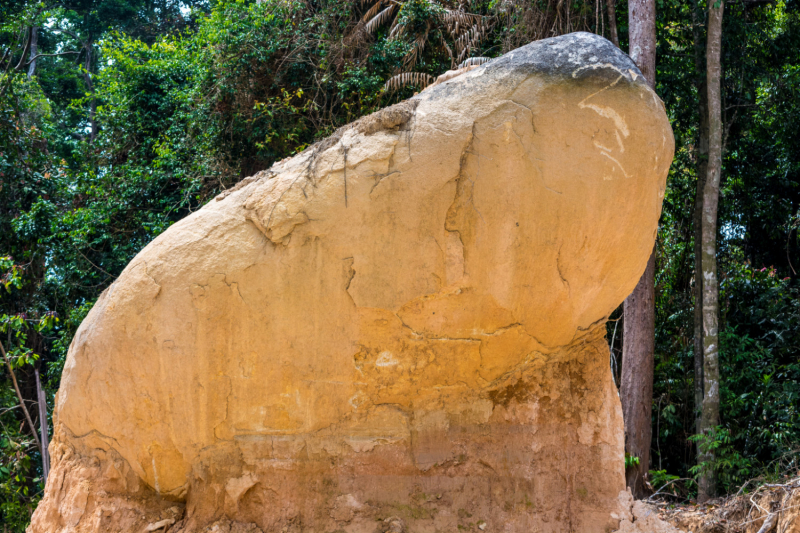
[(21, 401), (769, 523), (25, 49), (42, 401), (34, 58), (68, 32)]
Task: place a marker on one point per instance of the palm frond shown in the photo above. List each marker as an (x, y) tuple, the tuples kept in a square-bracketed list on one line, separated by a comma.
[(469, 40), (417, 47), (546, 18), (443, 43), (396, 30), (473, 61), (378, 20), (463, 41), (405, 79), (455, 17), (371, 12)]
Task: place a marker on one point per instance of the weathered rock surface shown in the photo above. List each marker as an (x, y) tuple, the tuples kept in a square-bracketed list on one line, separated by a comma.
[(637, 516), (400, 329)]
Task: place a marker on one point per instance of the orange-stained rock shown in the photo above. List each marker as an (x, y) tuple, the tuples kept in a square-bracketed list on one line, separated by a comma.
[(401, 328)]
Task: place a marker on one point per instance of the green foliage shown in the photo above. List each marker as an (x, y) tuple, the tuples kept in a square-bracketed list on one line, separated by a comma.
[(757, 246), (631, 461), (759, 345), (732, 468), (659, 478), (11, 274), (16, 485)]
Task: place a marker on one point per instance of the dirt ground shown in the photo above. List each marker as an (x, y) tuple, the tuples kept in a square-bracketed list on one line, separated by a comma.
[(771, 508)]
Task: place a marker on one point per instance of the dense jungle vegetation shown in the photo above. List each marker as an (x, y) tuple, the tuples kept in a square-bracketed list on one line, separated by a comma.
[(120, 117)]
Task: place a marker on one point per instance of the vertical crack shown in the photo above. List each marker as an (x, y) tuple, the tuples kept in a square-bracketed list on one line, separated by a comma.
[(558, 268), (344, 149)]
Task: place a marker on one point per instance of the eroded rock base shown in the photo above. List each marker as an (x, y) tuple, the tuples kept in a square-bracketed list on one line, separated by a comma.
[(518, 456), (92, 488), (640, 517)]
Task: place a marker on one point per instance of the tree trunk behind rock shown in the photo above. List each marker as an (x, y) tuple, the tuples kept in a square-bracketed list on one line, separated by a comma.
[(612, 21), (642, 37), (636, 384)]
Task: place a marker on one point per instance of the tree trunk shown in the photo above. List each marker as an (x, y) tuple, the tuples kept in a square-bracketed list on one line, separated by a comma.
[(642, 37), (34, 51), (638, 334), (636, 383), (87, 77), (612, 21), (42, 401), (702, 167), (706, 487)]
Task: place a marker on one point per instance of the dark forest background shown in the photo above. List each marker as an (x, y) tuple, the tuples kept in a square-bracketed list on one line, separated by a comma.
[(120, 117)]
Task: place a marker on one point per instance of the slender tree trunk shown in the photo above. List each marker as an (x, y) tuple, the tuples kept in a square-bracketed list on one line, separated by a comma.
[(87, 77), (710, 414), (612, 21), (34, 51), (20, 398), (702, 167), (42, 401), (638, 334)]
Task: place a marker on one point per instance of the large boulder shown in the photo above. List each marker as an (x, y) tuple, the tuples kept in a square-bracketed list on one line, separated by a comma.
[(401, 328)]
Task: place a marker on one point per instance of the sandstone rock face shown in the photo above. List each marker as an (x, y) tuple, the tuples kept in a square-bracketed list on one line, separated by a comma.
[(400, 329)]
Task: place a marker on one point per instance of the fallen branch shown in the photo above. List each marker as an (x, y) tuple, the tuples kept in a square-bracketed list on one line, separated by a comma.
[(769, 523), (665, 485), (776, 513)]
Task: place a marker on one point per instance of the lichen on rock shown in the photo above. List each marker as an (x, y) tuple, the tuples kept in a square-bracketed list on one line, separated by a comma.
[(400, 328)]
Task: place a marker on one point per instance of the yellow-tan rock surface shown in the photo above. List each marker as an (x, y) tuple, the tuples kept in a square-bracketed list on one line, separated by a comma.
[(401, 328)]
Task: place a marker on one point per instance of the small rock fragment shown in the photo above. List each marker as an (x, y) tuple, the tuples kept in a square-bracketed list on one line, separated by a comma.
[(160, 524)]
